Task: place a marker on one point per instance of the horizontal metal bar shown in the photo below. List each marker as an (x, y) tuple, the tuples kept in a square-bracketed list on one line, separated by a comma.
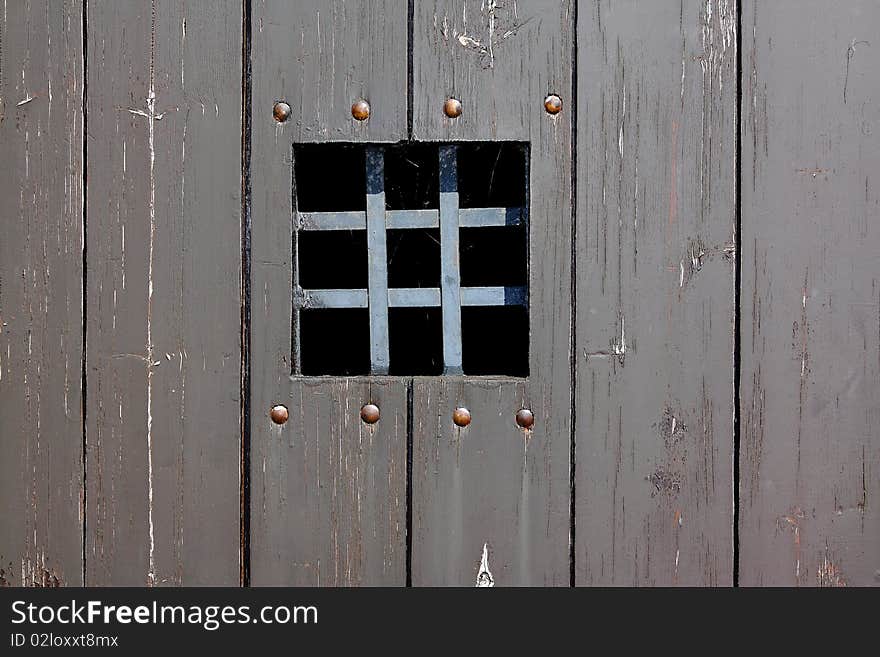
[(485, 217), (397, 219), (403, 219), (309, 299), (493, 296), (355, 220), (412, 297)]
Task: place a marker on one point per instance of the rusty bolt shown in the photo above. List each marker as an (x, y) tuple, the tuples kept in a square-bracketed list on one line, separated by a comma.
[(553, 104), (461, 416), (370, 413), (281, 111), (360, 110), (525, 418), (279, 414), (452, 108)]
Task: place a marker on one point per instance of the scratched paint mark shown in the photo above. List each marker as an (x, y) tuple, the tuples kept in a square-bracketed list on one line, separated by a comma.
[(673, 176), (618, 345), (665, 481), (484, 576), (498, 23), (151, 107), (691, 262), (850, 51), (828, 574), (671, 427), (792, 520)]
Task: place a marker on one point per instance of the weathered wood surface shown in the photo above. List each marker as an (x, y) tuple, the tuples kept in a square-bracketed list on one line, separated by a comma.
[(328, 493), (321, 57), (492, 483), (656, 169), (330, 509), (810, 402), (164, 277), (41, 202), (138, 479)]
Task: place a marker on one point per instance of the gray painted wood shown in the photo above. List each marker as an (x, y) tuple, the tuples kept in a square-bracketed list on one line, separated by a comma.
[(330, 509), (320, 57), (492, 483), (41, 208), (655, 297), (810, 402), (655, 232), (164, 278)]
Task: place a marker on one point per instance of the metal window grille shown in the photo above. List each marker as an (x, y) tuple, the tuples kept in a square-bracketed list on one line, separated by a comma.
[(377, 298)]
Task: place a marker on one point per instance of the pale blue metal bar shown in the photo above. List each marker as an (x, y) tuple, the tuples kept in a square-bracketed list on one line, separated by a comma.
[(493, 296), (487, 217), (377, 261), (450, 274), (411, 297), (353, 220), (401, 219)]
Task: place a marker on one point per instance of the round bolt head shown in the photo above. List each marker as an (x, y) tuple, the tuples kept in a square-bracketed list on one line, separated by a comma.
[(279, 414), (553, 104), (281, 111), (360, 110), (370, 413), (525, 418), (461, 416), (452, 108)]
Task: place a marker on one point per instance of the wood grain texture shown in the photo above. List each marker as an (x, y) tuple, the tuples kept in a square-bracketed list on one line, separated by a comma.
[(164, 278), (492, 483), (41, 210), (810, 295), (330, 509), (328, 496), (321, 57), (655, 268)]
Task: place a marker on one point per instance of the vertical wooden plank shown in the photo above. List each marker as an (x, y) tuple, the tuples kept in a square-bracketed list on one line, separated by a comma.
[(493, 484), (655, 271), (810, 402), (41, 206), (164, 279), (331, 508), (328, 493)]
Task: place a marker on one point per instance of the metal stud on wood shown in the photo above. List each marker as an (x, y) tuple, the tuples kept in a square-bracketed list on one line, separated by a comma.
[(525, 418), (370, 413), (452, 108), (461, 416), (281, 111), (360, 110), (279, 414), (553, 104)]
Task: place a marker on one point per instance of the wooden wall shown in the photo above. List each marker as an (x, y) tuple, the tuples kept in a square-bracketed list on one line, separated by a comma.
[(705, 284)]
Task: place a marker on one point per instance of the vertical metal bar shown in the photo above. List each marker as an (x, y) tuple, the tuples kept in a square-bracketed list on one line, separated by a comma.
[(450, 274), (377, 260), (295, 311)]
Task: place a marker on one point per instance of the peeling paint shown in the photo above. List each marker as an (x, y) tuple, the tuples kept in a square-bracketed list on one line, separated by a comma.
[(665, 481), (828, 573), (499, 23), (484, 576)]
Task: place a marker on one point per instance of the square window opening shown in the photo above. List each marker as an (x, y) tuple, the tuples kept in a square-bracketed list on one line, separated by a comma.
[(411, 259)]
